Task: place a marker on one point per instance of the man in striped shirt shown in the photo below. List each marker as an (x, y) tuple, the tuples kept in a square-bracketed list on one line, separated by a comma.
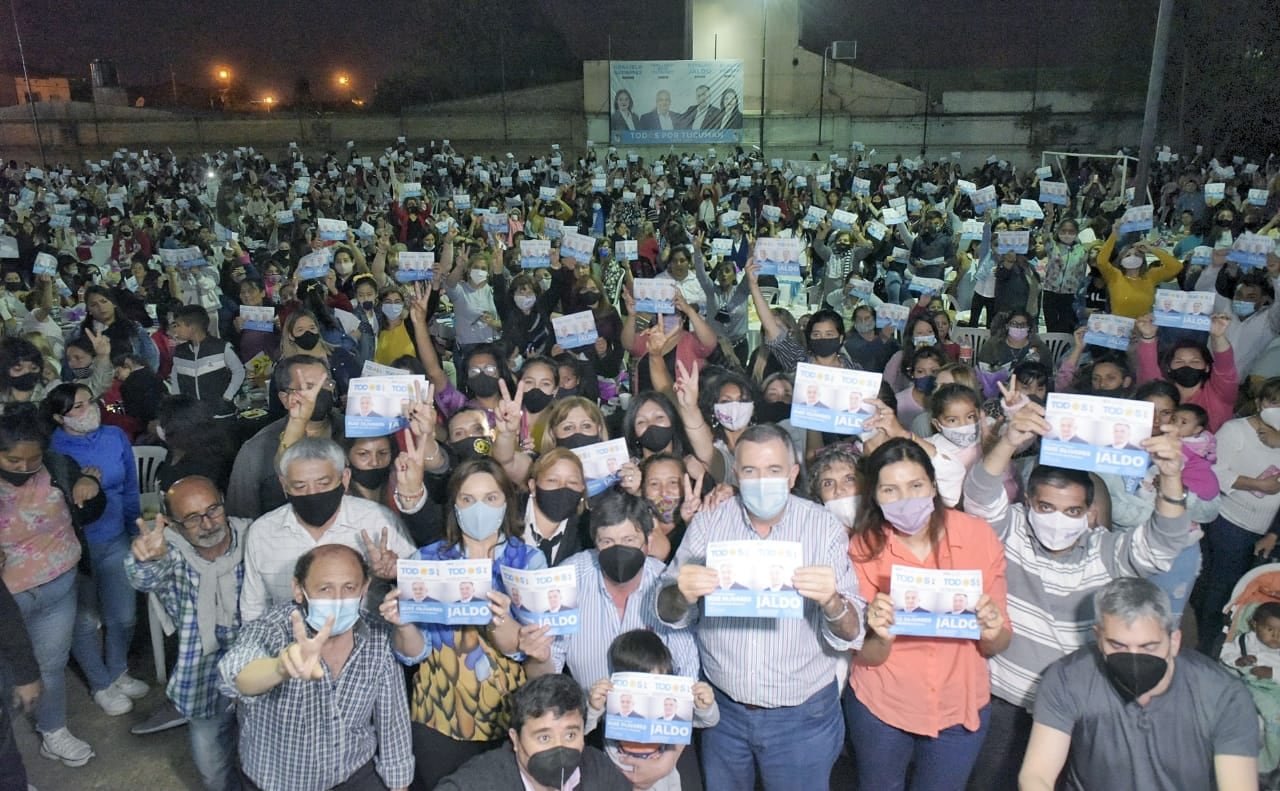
[(775, 680), (1055, 563)]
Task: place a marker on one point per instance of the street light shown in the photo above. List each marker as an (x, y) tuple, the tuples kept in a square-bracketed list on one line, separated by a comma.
[(270, 100), (344, 80), (224, 74)]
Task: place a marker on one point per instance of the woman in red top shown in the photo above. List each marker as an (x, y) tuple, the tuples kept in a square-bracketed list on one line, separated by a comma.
[(921, 700), (1204, 375)]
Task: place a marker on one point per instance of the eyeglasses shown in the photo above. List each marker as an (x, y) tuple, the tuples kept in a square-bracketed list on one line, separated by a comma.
[(491, 370), (196, 521)]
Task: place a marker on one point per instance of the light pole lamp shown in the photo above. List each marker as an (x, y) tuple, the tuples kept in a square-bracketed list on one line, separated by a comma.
[(764, 49)]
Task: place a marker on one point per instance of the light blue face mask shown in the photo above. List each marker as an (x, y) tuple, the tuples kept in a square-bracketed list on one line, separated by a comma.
[(1243, 309), (480, 521), (392, 310), (345, 613), (764, 498)]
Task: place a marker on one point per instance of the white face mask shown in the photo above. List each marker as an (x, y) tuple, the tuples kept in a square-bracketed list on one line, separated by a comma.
[(964, 436), (1271, 416), (844, 509), (734, 415), (478, 276), (525, 301), (546, 283), (1131, 261), (1057, 531), (344, 267)]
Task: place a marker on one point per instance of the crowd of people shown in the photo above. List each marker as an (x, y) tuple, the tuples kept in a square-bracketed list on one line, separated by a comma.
[(133, 312)]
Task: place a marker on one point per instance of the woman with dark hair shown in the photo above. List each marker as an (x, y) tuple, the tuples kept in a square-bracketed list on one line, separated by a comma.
[(197, 444), (300, 334), (919, 332), (651, 425), (1204, 375), (21, 372), (45, 500), (336, 326), (106, 595), (867, 347), (1013, 341), (527, 316), (624, 117), (685, 339), (920, 700), (921, 370), (1132, 285), (728, 404), (824, 331), (104, 315), (459, 701)]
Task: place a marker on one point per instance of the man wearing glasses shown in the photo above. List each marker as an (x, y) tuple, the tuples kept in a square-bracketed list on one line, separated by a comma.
[(192, 558)]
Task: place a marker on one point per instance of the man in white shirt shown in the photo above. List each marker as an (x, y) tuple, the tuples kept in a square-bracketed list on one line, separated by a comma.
[(701, 115), (314, 475), (660, 117)]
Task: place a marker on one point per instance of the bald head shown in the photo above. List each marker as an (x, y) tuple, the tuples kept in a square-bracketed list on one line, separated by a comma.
[(184, 489), (330, 571), (194, 507)]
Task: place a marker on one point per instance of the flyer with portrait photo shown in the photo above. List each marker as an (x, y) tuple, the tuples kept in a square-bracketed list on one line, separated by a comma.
[(721, 246), (649, 708), (891, 315), (548, 597), (575, 330), (415, 266), (577, 246), (654, 295), (1107, 330), (376, 404), (1096, 434), (331, 230), (535, 253), (935, 602), (834, 400), (626, 250), (778, 257), (1250, 250), (1186, 310), (313, 266), (754, 580), (262, 319), (601, 462), (450, 592), (191, 257)]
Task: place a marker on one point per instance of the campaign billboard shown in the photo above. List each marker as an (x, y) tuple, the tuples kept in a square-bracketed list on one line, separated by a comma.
[(675, 101)]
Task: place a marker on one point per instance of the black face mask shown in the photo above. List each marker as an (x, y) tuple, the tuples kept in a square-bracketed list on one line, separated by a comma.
[(307, 340), (24, 383), (472, 448), (483, 385), (575, 441), (17, 478), (1112, 392), (316, 509), (773, 412), (324, 404), (553, 767), (1187, 376), (372, 478), (13, 286), (589, 297), (824, 347), (1134, 675), (536, 400), (621, 564), (655, 438), (557, 504)]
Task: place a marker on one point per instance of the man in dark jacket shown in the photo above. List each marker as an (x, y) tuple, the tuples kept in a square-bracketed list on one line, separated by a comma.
[(546, 750)]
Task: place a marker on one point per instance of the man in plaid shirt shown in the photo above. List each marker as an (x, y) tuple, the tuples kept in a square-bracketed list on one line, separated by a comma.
[(195, 566)]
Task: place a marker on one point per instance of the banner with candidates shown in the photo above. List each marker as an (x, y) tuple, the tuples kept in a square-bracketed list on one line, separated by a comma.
[(544, 598), (376, 404), (832, 399), (755, 580), (681, 101), (935, 602), (649, 709), (1096, 434), (601, 462), (1187, 310), (535, 253), (450, 592)]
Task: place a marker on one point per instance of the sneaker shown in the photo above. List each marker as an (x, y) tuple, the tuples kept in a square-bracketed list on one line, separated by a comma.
[(162, 719), (131, 686), (60, 745), (113, 701)]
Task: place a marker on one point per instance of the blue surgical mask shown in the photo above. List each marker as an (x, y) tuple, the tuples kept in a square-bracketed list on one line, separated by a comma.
[(1243, 309), (345, 613), (764, 498), (392, 310), (480, 521)]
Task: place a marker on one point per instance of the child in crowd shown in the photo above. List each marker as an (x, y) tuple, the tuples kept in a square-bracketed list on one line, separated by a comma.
[(1255, 655), (1199, 449), (642, 651)]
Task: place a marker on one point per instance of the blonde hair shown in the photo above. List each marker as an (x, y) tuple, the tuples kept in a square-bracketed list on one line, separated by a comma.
[(559, 410), (962, 375), (552, 457)]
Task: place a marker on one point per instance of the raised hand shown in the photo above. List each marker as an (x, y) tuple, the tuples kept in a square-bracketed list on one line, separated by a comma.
[(150, 542), (1026, 424), (389, 609), (880, 617), (599, 694), (1011, 400), (1145, 326), (629, 478), (301, 658), (1165, 449), (656, 337), (1219, 325), (411, 464), (101, 343), (510, 408), (686, 386), (696, 581), (382, 561), (535, 641), (418, 301), (692, 501)]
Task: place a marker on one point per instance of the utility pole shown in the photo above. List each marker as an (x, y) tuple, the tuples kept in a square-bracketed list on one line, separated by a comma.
[(1155, 86), (35, 118)]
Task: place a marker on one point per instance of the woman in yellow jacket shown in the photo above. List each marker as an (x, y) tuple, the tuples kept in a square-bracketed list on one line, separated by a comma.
[(1132, 284)]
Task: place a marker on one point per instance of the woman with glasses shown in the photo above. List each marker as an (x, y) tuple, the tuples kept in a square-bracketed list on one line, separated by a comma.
[(1013, 341), (301, 335), (105, 594)]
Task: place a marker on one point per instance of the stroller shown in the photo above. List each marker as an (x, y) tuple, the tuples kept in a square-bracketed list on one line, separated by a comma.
[(1258, 586)]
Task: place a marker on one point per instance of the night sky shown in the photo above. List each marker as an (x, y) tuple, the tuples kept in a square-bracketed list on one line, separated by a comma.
[(271, 43)]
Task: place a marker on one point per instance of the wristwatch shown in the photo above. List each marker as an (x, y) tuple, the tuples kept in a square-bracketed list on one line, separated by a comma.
[(1182, 501)]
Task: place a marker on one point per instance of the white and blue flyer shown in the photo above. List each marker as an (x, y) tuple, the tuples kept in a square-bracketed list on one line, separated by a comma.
[(415, 266), (578, 246), (575, 330), (891, 315), (721, 246), (1013, 242), (1184, 310), (601, 462), (376, 404), (926, 285), (262, 319), (332, 230), (1096, 434), (835, 400), (535, 254), (1053, 192), (626, 250), (1251, 250), (1136, 219), (754, 580), (778, 257), (449, 592), (935, 602), (548, 597), (649, 709), (314, 266), (191, 257), (843, 220), (1109, 331), (654, 295)]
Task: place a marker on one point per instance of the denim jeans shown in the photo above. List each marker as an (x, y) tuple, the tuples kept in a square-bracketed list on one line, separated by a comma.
[(106, 599), (49, 613), (883, 753), (793, 746), (213, 748), (893, 287), (1228, 551), (1177, 581)]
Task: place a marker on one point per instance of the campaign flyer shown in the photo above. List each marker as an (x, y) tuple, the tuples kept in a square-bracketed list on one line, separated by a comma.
[(1251, 250), (262, 319), (450, 592), (314, 266), (191, 257), (834, 400), (1185, 310), (626, 250), (755, 580), (575, 330), (332, 230), (376, 404), (843, 220), (654, 295), (415, 266), (888, 314), (1013, 242), (601, 462), (935, 602), (649, 709), (1096, 434), (926, 285), (548, 597), (778, 257), (1105, 329), (577, 246), (721, 246), (535, 253)]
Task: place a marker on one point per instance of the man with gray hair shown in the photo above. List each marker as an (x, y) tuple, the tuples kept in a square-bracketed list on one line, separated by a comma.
[(314, 476), (1132, 711)]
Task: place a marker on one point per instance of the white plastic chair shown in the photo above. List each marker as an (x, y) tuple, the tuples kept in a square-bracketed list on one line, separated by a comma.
[(1059, 344), (978, 337), (148, 459)]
